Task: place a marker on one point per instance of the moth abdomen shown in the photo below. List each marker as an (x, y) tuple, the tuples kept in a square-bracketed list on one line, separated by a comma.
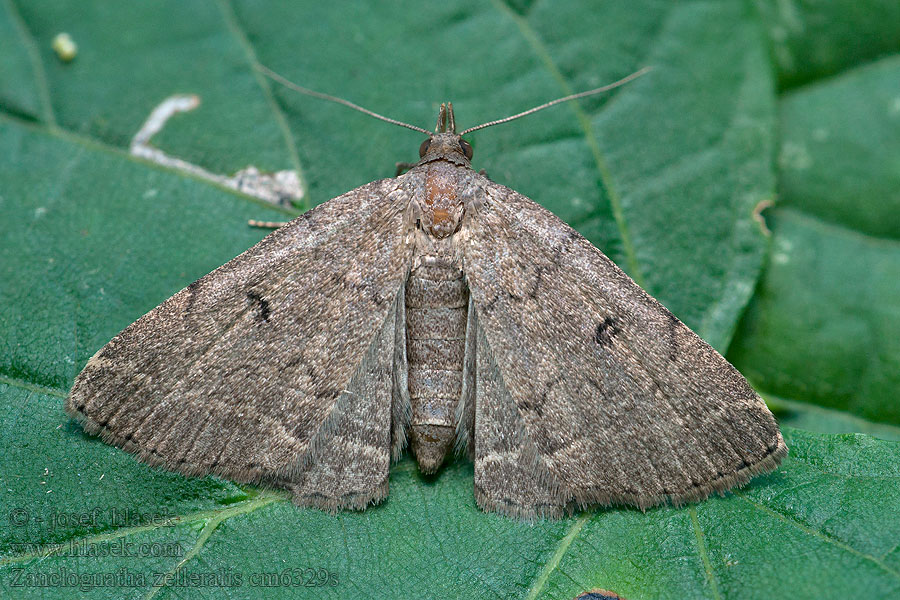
[(437, 301)]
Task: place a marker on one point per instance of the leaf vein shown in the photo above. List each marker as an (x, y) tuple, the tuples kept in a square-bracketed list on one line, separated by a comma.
[(554, 561), (101, 146), (819, 534), (40, 74), (211, 525), (32, 387), (231, 22), (220, 514), (615, 201), (704, 555)]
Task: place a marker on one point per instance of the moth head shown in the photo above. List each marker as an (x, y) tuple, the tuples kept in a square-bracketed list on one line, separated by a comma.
[(446, 146), (445, 143)]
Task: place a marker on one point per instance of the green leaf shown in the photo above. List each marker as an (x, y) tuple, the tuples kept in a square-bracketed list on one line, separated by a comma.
[(811, 40), (824, 326), (20, 70), (99, 239), (108, 91), (804, 415), (825, 521), (663, 174)]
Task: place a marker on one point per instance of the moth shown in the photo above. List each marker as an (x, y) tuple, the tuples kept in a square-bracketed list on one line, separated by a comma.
[(439, 311)]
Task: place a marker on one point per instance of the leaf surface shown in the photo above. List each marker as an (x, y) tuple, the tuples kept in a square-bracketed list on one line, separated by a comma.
[(664, 175)]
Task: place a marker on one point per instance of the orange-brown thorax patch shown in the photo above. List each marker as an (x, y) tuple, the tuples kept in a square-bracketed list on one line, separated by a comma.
[(440, 198)]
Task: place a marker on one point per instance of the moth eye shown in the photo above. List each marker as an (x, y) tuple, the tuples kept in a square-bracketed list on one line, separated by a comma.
[(466, 148), (424, 148)]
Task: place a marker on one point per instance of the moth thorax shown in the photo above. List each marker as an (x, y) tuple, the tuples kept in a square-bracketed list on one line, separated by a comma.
[(437, 300), (442, 212)]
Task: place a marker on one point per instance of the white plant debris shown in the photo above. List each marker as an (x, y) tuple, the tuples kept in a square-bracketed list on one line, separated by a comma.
[(282, 187)]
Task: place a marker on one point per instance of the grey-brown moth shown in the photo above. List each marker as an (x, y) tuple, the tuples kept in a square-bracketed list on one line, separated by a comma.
[(436, 310)]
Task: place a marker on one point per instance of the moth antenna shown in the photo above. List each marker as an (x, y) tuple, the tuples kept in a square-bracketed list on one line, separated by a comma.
[(291, 85), (598, 90)]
